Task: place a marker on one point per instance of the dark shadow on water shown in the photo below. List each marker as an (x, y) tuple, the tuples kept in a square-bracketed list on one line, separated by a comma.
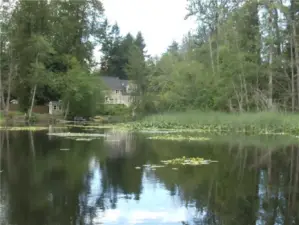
[(62, 181)]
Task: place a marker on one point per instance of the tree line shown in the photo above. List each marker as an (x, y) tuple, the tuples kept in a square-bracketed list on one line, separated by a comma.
[(244, 56)]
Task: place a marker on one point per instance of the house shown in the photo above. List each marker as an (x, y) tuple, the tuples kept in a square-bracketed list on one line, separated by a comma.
[(55, 108), (118, 91)]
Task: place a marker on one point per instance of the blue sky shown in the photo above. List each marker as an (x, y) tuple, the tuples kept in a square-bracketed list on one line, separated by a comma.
[(160, 21)]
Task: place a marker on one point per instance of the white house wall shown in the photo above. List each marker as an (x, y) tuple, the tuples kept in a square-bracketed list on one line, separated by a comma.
[(117, 98)]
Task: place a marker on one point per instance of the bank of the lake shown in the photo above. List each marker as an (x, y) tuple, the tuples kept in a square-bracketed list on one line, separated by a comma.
[(207, 122), (219, 122)]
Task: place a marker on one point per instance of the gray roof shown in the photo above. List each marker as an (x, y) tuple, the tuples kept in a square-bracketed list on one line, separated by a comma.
[(114, 83)]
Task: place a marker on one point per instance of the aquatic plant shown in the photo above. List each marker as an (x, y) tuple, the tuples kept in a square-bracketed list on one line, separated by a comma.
[(195, 161), (179, 138), (150, 166), (69, 134), (119, 126), (151, 131), (219, 122), (32, 128), (91, 126), (84, 139)]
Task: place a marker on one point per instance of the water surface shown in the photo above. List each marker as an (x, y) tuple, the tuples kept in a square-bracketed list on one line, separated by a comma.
[(54, 180)]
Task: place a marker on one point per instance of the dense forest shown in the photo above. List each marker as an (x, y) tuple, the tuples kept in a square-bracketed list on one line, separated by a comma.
[(244, 56)]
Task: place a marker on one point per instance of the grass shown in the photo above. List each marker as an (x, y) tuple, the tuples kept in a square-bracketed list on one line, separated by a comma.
[(218, 122)]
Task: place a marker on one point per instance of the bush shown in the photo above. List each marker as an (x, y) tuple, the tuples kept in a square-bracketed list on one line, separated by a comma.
[(114, 110)]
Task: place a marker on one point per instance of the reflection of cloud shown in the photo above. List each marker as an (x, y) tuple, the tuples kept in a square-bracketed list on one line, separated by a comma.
[(111, 215), (143, 216), (155, 205), (162, 217)]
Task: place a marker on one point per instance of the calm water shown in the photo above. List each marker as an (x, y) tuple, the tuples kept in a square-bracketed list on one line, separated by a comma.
[(97, 183)]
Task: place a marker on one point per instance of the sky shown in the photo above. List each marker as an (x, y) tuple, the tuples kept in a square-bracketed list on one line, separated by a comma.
[(160, 21)]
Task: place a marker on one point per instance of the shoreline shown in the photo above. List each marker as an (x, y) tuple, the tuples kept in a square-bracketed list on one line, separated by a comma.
[(192, 122)]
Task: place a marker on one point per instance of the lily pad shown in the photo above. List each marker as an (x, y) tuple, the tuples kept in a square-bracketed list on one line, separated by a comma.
[(69, 134), (195, 161), (84, 139), (179, 138), (157, 166), (153, 166), (157, 131), (24, 128)]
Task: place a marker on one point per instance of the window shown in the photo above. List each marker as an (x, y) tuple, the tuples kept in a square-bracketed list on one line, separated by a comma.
[(54, 107), (116, 91)]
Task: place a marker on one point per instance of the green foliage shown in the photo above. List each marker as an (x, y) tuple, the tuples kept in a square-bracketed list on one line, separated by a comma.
[(80, 90), (114, 110), (238, 60), (225, 66), (49, 50), (117, 51)]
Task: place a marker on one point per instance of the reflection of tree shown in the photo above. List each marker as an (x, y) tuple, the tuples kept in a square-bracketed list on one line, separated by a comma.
[(231, 191), (50, 188), (120, 144), (44, 185), (119, 176)]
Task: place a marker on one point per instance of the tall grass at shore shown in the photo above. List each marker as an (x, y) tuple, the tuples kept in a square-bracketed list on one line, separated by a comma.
[(260, 122)]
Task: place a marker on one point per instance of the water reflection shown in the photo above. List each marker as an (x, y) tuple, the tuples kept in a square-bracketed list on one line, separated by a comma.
[(97, 182), (119, 143)]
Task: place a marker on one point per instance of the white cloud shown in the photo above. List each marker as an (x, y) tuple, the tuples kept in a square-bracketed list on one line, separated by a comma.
[(160, 21)]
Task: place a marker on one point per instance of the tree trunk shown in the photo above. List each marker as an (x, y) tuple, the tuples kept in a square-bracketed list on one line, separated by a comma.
[(67, 110), (34, 92), (270, 84), (9, 87), (2, 102), (32, 102), (296, 58), (293, 91), (211, 55), (271, 55)]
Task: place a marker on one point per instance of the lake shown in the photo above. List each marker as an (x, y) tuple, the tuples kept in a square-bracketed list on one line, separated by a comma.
[(55, 180)]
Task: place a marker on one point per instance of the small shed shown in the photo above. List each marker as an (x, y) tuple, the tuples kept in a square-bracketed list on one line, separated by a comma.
[(55, 108), (14, 102)]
